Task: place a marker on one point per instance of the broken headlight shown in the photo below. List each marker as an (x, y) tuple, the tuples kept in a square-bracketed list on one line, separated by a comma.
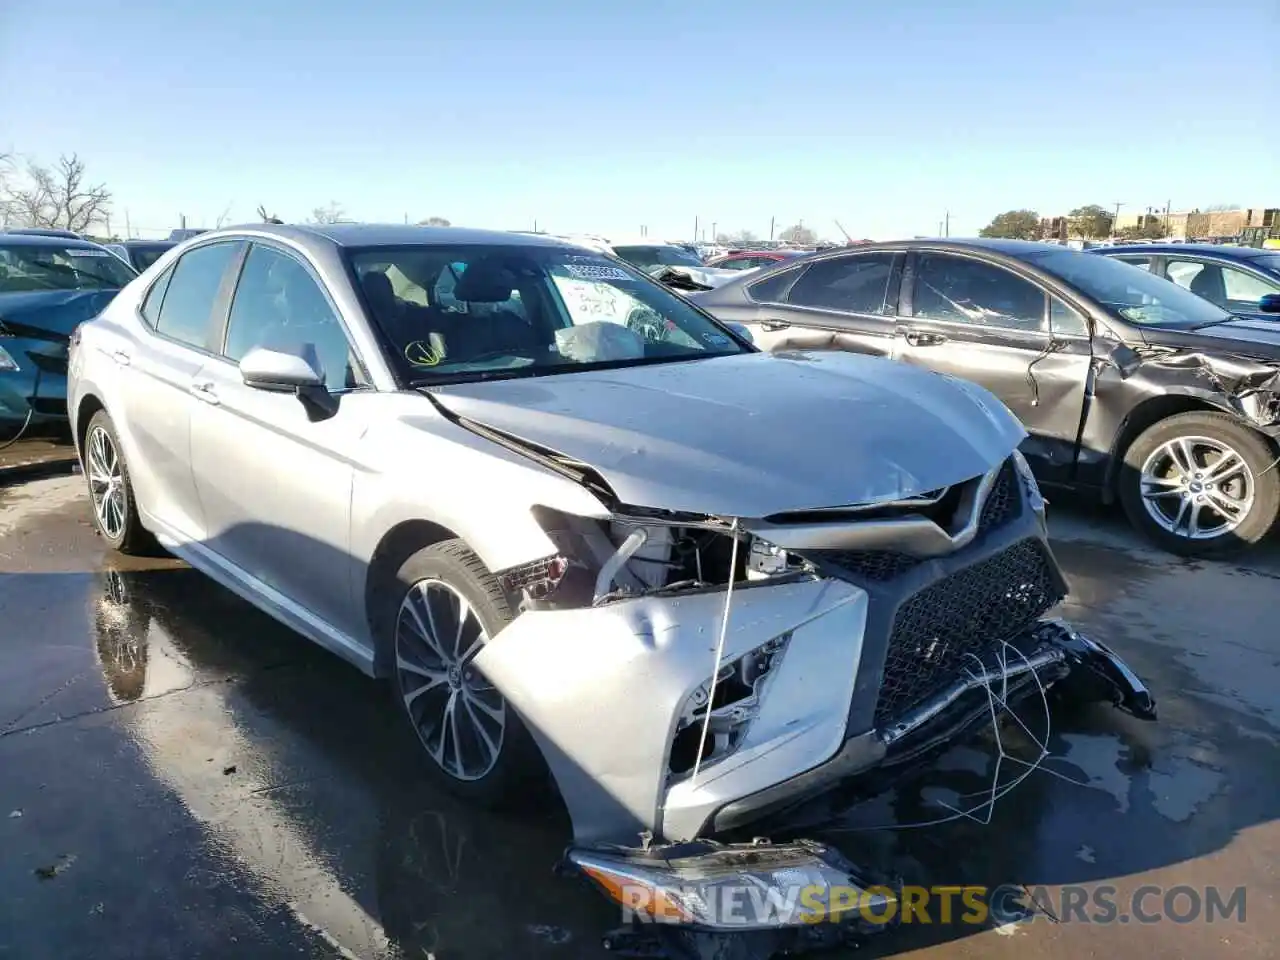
[(733, 699), (1029, 482), (7, 363)]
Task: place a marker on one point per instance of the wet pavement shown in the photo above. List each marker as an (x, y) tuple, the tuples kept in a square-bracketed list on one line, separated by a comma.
[(180, 777)]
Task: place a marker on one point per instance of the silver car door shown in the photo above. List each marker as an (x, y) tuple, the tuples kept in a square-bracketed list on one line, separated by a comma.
[(275, 483), (155, 373)]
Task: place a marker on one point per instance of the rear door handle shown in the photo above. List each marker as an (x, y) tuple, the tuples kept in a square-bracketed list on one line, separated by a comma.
[(203, 390), (122, 358), (774, 325), (924, 339)]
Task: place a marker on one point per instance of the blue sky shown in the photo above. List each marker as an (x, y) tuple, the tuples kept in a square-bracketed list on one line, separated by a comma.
[(605, 116)]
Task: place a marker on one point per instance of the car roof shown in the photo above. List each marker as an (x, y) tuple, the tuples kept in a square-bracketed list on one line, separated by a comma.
[(1209, 249), (384, 235), (146, 243), (42, 240)]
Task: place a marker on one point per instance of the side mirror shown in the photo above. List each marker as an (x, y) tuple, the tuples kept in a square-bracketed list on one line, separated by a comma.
[(743, 331), (1270, 303), (283, 371)]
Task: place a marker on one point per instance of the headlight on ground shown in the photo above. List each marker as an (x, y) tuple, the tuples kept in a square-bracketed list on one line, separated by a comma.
[(738, 888), (7, 363), (733, 704), (1029, 482)]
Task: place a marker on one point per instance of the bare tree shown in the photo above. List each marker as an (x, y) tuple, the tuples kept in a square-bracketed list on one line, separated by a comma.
[(223, 218), (1221, 207), (58, 196), (435, 222), (6, 170), (799, 234), (267, 217), (333, 213)]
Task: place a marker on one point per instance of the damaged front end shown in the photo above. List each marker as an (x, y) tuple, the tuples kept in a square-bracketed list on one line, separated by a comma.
[(687, 676)]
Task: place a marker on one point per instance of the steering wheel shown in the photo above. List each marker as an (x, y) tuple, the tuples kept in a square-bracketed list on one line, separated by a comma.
[(647, 324)]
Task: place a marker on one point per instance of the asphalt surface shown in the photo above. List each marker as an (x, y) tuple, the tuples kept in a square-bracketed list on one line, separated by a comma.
[(182, 778)]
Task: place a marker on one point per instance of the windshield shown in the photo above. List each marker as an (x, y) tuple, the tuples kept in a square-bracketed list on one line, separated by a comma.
[(1130, 291), (28, 267), (658, 255), (481, 312)]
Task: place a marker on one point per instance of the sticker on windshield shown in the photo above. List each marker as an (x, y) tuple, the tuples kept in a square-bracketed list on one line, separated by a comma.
[(596, 271), (84, 252), (717, 339), (420, 354)]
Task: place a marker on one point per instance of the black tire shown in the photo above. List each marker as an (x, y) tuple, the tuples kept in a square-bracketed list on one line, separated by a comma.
[(1258, 455), (131, 537), (519, 774)]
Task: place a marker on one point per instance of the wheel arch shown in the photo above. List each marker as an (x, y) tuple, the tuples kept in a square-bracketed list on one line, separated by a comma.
[(395, 547), (89, 405), (1143, 417)]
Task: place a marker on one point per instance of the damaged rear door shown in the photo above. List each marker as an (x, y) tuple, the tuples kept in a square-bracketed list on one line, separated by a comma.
[(981, 321)]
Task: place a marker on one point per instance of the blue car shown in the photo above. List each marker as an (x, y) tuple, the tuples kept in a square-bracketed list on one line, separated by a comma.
[(48, 285), (1235, 278)]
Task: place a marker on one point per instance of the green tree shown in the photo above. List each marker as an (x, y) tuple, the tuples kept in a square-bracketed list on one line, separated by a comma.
[(1090, 222), (1013, 225), (1151, 228), (435, 222)]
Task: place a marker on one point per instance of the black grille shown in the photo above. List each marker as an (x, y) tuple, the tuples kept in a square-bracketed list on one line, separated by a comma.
[(878, 565), (969, 612), (1002, 499)]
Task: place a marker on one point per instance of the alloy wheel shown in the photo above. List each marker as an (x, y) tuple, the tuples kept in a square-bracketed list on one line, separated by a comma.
[(106, 483), (460, 717), (1197, 487)]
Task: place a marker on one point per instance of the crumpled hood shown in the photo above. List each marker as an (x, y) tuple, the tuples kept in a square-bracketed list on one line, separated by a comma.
[(755, 434), (706, 276), (57, 312)]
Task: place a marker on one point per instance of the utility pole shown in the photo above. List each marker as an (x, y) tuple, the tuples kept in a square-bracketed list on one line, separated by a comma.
[(947, 231), (771, 223), (182, 220), (1115, 221), (695, 229), (128, 230), (715, 238)]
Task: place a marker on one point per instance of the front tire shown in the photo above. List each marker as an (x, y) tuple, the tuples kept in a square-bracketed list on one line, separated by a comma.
[(444, 606), (1201, 484), (115, 511)]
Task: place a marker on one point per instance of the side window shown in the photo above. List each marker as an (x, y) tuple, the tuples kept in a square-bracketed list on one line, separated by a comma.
[(851, 284), (962, 290), (1244, 290), (1065, 321), (1143, 263), (191, 291), (737, 263), (152, 302), (770, 289), (1202, 279), (278, 304)]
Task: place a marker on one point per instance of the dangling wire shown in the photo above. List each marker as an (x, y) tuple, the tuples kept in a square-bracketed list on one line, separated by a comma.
[(715, 673)]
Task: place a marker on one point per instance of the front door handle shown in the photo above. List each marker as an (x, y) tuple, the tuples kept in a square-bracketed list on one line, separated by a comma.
[(925, 339), (122, 358), (203, 390), (774, 325)]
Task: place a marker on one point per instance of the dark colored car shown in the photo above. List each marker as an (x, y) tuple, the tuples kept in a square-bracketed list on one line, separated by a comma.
[(1129, 386), (750, 259), (44, 232), (48, 285), (1234, 278), (141, 254)]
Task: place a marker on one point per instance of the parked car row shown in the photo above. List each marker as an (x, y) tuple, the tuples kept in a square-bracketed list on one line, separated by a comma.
[(520, 511)]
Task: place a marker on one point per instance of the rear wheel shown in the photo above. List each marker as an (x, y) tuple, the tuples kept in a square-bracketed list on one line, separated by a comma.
[(115, 512), (447, 606), (1201, 484)]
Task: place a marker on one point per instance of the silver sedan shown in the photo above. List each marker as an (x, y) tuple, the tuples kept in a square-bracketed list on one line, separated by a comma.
[(591, 536)]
